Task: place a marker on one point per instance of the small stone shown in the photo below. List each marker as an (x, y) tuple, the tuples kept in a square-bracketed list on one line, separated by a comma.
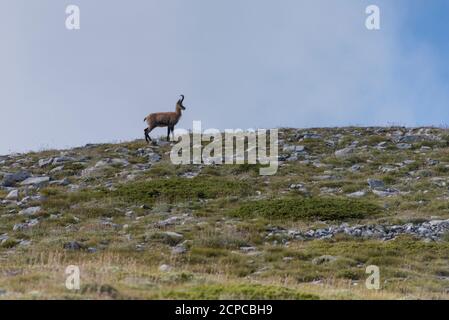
[(45, 162), (173, 236), (56, 170), (165, 268), (180, 249), (357, 194), (248, 249), (376, 184), (168, 222), (30, 211), (35, 181), (19, 227), (324, 259), (342, 153), (59, 160), (13, 195), (73, 246)]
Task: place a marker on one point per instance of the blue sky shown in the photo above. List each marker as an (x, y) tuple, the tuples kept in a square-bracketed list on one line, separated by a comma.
[(240, 63)]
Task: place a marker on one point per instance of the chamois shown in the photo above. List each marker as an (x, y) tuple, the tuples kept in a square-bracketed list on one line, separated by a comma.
[(164, 119)]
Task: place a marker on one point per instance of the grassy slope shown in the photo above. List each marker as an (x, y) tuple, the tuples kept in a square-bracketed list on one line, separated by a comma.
[(220, 211)]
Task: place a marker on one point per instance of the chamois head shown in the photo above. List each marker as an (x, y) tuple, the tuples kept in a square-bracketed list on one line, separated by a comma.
[(180, 102)]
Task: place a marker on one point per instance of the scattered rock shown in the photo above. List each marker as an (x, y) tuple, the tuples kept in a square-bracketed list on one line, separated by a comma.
[(342, 153), (35, 181), (357, 194), (44, 162), (13, 195), (10, 179), (165, 268), (30, 211), (376, 184), (73, 246), (324, 259)]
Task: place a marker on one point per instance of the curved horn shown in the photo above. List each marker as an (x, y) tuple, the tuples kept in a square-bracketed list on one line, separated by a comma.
[(182, 96)]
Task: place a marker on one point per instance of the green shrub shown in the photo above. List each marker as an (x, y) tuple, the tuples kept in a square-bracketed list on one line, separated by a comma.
[(308, 208), (179, 189)]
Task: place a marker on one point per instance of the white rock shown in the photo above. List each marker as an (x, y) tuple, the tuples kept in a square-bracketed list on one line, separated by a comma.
[(357, 194), (30, 211), (35, 181), (45, 162), (165, 268), (13, 195), (344, 152)]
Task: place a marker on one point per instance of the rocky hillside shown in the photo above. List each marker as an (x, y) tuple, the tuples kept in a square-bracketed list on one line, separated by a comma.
[(141, 227)]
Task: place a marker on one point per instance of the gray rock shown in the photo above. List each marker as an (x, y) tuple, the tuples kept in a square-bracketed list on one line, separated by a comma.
[(35, 181), (413, 138), (168, 222), (289, 148), (342, 153), (120, 162), (385, 193), (179, 249), (165, 268), (73, 246), (376, 184), (13, 195), (324, 259), (173, 236), (19, 227), (10, 179), (311, 136), (62, 159), (23, 226), (248, 249), (30, 211), (63, 182), (56, 170), (357, 194), (44, 162)]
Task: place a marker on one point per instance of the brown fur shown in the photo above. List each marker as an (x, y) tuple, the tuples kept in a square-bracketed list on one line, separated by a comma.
[(164, 119)]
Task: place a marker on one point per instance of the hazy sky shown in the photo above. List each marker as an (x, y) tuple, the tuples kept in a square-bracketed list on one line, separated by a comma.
[(240, 63)]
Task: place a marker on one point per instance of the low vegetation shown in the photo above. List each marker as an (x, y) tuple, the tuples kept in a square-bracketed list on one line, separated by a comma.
[(308, 208)]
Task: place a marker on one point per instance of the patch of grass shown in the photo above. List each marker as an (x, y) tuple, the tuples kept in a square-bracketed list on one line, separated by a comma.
[(57, 198), (237, 291), (10, 243), (179, 189), (308, 208)]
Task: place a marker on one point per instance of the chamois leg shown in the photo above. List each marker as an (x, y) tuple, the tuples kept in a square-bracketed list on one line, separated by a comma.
[(168, 133), (172, 129), (147, 137), (147, 134)]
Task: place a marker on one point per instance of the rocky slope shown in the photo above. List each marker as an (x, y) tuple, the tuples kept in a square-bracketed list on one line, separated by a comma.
[(141, 227)]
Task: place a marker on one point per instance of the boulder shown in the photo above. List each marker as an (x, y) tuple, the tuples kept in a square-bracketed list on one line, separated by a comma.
[(35, 181), (10, 179), (342, 153)]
